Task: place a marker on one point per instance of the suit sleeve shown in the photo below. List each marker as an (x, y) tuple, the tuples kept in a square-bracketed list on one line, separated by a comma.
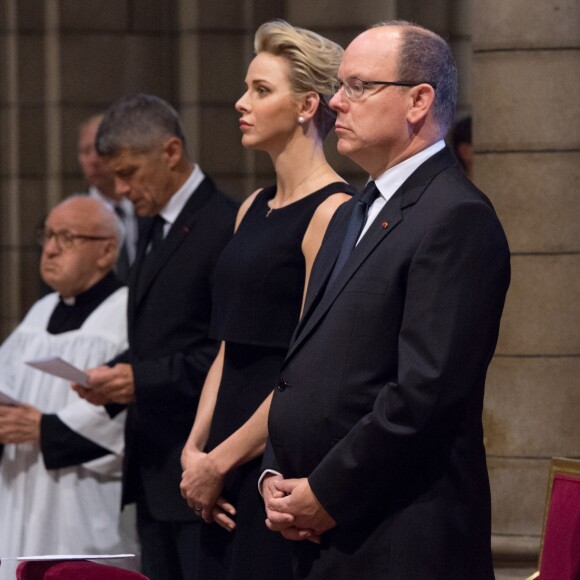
[(455, 290), (269, 459), (113, 409), (63, 447), (120, 358), (184, 371), (169, 379)]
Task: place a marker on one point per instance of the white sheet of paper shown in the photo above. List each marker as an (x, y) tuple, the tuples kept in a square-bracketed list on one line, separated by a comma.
[(69, 557), (54, 365), (6, 399)]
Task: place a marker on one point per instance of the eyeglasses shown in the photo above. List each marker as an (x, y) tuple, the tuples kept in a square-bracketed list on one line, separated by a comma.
[(64, 240), (355, 88)]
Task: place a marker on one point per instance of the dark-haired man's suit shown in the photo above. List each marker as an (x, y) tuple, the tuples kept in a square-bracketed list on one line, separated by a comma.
[(379, 400), (169, 311)]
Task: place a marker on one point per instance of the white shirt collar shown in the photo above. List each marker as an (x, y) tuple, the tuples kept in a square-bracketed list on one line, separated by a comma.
[(393, 178), (178, 200)]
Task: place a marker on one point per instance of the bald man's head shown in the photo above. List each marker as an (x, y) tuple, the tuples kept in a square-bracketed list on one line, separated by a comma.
[(81, 239)]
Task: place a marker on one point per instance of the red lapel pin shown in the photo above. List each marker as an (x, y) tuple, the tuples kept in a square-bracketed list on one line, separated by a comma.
[(385, 225)]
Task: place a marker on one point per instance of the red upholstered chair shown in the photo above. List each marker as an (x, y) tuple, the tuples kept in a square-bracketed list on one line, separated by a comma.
[(560, 548), (74, 570)]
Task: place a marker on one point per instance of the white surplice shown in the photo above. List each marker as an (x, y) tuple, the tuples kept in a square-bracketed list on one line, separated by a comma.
[(74, 509)]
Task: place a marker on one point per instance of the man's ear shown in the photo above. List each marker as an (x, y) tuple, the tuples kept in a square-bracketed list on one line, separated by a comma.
[(422, 99), (173, 151), (108, 257)]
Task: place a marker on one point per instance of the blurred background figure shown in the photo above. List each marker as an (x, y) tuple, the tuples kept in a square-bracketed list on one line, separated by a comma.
[(101, 182), (60, 471), (461, 144), (259, 285)]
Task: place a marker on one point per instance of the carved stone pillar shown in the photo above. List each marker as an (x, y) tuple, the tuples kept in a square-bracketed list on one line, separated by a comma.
[(526, 115)]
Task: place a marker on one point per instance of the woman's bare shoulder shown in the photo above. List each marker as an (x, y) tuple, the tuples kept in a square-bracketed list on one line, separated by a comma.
[(246, 206)]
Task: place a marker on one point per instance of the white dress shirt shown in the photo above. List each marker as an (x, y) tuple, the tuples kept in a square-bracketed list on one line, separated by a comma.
[(175, 205), (393, 178)]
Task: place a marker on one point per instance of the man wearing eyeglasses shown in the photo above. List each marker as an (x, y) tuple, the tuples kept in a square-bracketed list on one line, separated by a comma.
[(60, 484), (375, 465)]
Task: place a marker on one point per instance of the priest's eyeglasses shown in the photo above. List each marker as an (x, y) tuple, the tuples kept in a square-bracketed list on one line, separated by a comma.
[(354, 88), (64, 240)]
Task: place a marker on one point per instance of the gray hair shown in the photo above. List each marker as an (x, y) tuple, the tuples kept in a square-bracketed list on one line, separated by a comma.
[(425, 57), (140, 123)]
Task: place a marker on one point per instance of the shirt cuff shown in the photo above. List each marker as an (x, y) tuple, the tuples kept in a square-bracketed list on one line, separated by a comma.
[(264, 474)]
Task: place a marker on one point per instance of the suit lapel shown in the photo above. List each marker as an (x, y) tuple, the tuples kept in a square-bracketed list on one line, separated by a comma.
[(389, 218), (391, 214), (326, 258), (173, 240)]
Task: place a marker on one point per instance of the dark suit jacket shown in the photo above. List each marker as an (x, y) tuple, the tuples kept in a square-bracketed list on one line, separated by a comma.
[(169, 312), (380, 397)]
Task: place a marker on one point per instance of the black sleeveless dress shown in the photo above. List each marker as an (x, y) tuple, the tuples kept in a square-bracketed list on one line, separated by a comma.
[(259, 281)]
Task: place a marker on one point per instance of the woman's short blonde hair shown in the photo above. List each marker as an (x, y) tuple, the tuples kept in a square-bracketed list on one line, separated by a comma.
[(313, 63)]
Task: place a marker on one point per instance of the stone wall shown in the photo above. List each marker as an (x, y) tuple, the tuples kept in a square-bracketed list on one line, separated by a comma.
[(527, 158)]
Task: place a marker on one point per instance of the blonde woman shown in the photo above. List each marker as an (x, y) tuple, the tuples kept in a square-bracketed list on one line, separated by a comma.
[(259, 281)]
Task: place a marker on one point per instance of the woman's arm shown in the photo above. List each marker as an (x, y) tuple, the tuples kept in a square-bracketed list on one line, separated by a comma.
[(202, 480), (316, 229), (242, 446), (246, 443), (200, 431), (203, 476)]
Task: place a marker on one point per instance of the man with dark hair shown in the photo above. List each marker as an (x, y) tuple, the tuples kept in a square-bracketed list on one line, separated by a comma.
[(60, 473), (376, 448), (161, 375)]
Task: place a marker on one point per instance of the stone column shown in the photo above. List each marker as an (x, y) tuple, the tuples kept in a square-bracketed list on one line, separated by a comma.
[(526, 115)]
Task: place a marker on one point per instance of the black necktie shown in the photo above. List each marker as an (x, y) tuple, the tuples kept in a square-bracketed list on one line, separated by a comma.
[(155, 242), (355, 226), (156, 236)]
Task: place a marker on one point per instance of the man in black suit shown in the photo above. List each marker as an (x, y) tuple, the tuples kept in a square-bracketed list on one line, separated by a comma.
[(376, 448), (161, 375)]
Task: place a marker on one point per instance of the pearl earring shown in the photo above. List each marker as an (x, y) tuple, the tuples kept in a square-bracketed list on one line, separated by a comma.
[(301, 119)]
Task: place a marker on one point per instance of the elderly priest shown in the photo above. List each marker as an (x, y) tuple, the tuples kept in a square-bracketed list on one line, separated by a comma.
[(60, 467)]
